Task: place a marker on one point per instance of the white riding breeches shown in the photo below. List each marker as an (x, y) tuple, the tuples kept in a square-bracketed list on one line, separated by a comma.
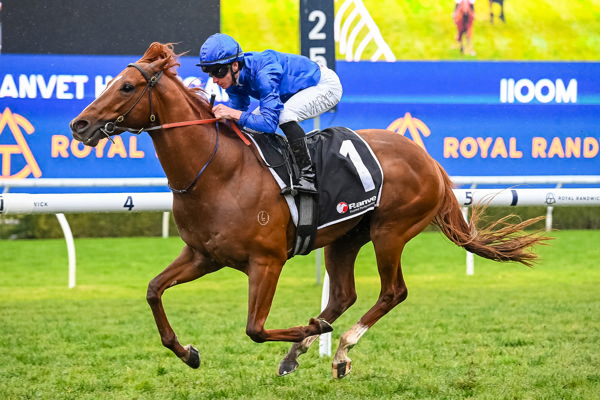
[(312, 101)]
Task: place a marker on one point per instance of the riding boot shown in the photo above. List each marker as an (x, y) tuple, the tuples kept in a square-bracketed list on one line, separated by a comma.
[(307, 179)]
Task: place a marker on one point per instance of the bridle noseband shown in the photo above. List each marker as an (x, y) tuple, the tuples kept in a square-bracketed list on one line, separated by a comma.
[(111, 126)]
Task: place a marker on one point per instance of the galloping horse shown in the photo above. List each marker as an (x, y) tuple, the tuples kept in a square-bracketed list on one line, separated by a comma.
[(501, 3), (463, 18), (220, 211)]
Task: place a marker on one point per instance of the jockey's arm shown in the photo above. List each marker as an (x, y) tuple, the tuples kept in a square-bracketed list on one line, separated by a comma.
[(225, 112), (267, 85)]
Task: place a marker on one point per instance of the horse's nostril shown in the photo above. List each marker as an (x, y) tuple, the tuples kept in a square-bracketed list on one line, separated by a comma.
[(79, 125)]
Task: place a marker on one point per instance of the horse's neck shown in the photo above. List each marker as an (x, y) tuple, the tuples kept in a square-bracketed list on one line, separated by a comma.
[(184, 151)]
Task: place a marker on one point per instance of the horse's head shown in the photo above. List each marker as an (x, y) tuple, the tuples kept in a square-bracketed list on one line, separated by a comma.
[(126, 103)]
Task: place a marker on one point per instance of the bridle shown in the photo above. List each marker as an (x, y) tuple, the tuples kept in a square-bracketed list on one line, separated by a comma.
[(111, 126), (151, 81)]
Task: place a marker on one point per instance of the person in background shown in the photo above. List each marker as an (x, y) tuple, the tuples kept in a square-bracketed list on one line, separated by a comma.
[(457, 2), (290, 88)]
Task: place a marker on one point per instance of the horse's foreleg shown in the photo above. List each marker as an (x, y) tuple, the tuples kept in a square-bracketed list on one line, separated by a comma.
[(263, 276), (339, 260), (189, 265)]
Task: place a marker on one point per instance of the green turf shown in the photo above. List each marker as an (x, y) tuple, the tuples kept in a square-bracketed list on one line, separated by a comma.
[(508, 332), (554, 30)]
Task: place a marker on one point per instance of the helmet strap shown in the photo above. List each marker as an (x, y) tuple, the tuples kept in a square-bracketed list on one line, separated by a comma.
[(233, 77)]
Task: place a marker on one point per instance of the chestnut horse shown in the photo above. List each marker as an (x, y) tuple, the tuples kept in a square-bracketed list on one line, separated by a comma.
[(220, 211), (463, 18)]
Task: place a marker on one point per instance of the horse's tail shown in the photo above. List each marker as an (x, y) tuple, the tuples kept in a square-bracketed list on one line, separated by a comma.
[(499, 241)]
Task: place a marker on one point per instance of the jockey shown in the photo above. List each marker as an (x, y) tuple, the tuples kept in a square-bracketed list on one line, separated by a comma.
[(290, 88)]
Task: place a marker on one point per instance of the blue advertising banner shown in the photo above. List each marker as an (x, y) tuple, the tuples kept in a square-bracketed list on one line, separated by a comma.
[(483, 118), (475, 118)]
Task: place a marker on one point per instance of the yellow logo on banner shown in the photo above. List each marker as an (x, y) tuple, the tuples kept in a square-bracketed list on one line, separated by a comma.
[(414, 126), (15, 123)]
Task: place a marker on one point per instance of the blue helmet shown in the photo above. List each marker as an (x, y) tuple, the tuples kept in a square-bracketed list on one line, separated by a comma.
[(219, 49)]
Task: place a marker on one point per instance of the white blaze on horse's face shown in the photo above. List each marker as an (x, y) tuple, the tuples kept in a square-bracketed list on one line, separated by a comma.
[(110, 84)]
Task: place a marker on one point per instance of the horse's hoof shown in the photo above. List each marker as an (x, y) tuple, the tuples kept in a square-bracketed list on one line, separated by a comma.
[(342, 369), (194, 358), (324, 326), (287, 367)]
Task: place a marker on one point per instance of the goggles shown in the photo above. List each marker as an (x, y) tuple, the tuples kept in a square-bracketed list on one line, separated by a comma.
[(218, 70)]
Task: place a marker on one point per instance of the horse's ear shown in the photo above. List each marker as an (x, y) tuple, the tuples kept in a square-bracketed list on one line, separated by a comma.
[(163, 64), (160, 64), (153, 52), (161, 56), (166, 61)]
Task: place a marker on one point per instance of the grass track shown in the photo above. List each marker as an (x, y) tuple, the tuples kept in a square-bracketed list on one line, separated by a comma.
[(508, 332)]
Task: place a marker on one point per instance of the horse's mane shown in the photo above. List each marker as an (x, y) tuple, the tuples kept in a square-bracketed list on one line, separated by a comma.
[(164, 51)]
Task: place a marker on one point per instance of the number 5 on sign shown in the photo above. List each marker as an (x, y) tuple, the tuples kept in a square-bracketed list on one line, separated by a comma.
[(317, 54), (316, 31)]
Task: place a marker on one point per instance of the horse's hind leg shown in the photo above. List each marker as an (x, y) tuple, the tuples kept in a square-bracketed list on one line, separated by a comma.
[(189, 265), (339, 261), (389, 242), (290, 362), (393, 291)]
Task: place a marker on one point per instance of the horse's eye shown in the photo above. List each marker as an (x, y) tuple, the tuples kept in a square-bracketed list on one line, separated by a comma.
[(127, 87)]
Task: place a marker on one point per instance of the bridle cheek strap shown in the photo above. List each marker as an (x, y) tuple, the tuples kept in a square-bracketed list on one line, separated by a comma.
[(151, 82)]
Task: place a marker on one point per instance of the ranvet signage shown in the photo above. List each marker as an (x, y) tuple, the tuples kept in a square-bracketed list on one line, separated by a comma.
[(475, 118)]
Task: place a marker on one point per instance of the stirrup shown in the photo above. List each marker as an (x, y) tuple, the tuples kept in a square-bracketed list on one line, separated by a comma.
[(289, 190), (305, 186), (298, 187)]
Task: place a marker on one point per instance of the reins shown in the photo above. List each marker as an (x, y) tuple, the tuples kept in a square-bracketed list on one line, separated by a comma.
[(199, 122), (151, 81), (191, 185)]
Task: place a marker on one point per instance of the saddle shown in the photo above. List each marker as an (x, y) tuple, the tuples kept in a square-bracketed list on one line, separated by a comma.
[(349, 179)]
